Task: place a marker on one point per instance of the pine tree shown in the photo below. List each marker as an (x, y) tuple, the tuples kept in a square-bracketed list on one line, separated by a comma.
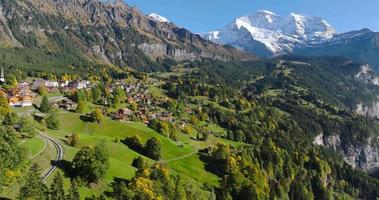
[(82, 105), (33, 187), (44, 106), (52, 121), (73, 192), (96, 94), (56, 188)]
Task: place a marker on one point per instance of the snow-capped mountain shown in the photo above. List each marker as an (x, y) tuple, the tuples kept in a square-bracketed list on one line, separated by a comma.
[(268, 34), (158, 18)]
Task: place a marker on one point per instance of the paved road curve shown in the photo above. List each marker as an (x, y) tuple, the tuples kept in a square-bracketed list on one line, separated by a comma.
[(48, 172)]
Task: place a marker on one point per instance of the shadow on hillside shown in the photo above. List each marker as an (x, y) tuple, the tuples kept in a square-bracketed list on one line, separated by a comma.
[(85, 118), (137, 148), (71, 111), (35, 106), (209, 164), (66, 167), (37, 118), (116, 183)]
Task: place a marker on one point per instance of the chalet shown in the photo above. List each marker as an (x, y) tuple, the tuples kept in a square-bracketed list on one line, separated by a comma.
[(125, 111), (44, 83), (79, 84), (26, 101), (38, 83), (53, 84), (21, 101), (66, 104), (63, 84), (122, 114)]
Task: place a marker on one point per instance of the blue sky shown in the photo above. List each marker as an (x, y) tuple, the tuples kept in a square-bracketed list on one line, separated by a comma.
[(206, 15)]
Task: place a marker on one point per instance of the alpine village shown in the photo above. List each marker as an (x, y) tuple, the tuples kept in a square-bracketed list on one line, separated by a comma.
[(101, 101)]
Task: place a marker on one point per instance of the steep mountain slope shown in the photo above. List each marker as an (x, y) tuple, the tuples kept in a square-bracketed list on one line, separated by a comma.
[(107, 33), (268, 34), (362, 45)]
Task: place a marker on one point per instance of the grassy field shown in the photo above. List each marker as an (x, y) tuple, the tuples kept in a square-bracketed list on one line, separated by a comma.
[(34, 146), (194, 168), (156, 92), (121, 156), (180, 156)]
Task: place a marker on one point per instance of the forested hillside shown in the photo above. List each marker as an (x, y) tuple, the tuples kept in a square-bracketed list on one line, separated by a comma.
[(57, 34), (100, 101), (283, 105)]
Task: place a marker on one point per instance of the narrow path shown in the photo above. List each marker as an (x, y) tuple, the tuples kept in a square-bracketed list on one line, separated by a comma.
[(43, 149), (180, 157), (48, 172)]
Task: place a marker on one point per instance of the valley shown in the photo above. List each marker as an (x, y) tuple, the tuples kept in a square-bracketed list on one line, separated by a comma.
[(101, 101)]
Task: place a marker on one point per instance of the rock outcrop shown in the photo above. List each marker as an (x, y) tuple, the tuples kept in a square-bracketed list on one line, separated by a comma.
[(364, 157), (112, 33)]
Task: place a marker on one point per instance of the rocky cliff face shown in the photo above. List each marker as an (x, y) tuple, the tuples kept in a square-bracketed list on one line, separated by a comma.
[(368, 76), (365, 156), (103, 32)]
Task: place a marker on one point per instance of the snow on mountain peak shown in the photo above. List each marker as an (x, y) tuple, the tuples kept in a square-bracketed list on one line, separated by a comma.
[(158, 18), (266, 12), (278, 34)]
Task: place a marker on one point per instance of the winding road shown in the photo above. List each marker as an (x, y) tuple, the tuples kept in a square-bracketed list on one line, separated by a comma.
[(48, 172)]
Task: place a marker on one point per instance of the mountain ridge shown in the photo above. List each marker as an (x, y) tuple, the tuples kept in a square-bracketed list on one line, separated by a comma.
[(102, 32), (361, 46)]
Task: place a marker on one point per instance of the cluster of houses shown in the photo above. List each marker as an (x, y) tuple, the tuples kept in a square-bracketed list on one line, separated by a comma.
[(137, 93), (55, 86), (125, 114), (21, 95), (147, 107)]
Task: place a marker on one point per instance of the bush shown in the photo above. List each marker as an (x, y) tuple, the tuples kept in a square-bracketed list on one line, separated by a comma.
[(139, 162), (134, 143), (153, 148), (97, 116), (73, 140)]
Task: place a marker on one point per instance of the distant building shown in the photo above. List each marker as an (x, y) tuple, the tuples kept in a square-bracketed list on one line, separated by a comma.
[(52, 84), (63, 83), (38, 83), (2, 77), (122, 114), (44, 83), (79, 84)]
